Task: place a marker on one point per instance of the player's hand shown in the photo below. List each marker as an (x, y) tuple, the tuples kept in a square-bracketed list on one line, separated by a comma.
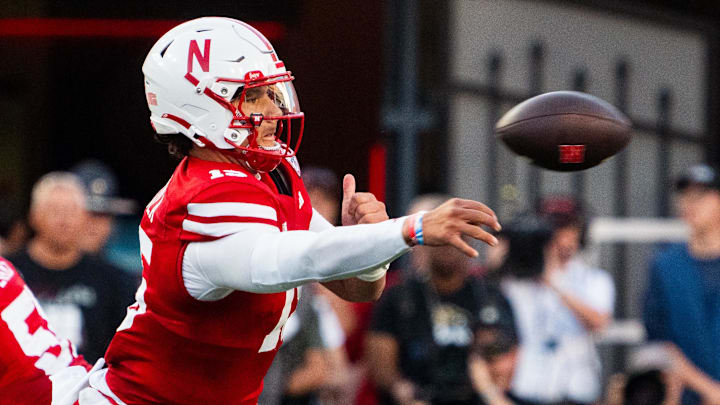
[(360, 208), (448, 223)]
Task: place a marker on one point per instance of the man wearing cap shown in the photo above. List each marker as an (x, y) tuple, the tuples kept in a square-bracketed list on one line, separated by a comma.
[(558, 301), (494, 351), (103, 205), (82, 296), (421, 330), (682, 301)]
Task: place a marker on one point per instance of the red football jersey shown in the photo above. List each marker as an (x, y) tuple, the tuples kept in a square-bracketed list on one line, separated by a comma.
[(173, 348), (29, 350)]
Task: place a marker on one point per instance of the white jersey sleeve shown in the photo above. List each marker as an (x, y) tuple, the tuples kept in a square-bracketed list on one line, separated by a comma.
[(318, 223), (261, 259)]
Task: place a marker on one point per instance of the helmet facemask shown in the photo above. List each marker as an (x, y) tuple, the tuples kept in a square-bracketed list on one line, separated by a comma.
[(247, 128)]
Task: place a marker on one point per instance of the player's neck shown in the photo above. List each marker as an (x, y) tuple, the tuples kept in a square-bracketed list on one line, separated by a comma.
[(447, 283), (216, 156), (705, 245), (52, 256)]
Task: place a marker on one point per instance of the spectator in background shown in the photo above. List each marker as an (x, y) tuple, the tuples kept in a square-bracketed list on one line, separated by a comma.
[(103, 205), (323, 187), (682, 302), (657, 374), (84, 298), (557, 307), (492, 361), (421, 330), (300, 368), (337, 318), (14, 232), (13, 236)]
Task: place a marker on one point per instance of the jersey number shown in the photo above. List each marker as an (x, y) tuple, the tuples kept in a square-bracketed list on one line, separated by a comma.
[(27, 323), (271, 339), (155, 202)]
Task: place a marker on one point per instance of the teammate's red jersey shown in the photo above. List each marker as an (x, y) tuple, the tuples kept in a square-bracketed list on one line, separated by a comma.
[(29, 350), (173, 348)]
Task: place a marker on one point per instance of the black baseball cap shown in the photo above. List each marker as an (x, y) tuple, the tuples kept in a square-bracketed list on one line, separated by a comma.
[(701, 175), (494, 327), (101, 186), (527, 235)]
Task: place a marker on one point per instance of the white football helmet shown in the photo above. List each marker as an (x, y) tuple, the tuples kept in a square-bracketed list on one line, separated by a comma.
[(196, 69)]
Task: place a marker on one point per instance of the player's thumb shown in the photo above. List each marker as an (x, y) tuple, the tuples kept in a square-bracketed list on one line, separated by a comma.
[(348, 187)]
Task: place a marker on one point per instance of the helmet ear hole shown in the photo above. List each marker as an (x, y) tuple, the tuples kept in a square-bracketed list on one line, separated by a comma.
[(237, 136)]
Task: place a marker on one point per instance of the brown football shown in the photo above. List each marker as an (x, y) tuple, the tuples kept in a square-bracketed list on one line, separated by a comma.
[(564, 130)]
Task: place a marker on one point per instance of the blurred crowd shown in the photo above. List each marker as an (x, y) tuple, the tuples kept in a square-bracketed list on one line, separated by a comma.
[(519, 327)]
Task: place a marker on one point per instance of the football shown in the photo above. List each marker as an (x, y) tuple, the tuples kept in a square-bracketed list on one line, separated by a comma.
[(564, 130)]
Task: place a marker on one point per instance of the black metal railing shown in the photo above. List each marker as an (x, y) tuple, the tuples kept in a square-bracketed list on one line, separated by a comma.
[(497, 97)]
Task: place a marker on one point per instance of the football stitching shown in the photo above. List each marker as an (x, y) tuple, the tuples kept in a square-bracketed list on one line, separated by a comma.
[(618, 123)]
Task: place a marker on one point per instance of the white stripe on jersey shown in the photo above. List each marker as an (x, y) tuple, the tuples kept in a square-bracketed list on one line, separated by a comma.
[(232, 209), (146, 245), (220, 229)]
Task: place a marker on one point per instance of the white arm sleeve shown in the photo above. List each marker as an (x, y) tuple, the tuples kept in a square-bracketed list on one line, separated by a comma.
[(262, 259), (319, 223)]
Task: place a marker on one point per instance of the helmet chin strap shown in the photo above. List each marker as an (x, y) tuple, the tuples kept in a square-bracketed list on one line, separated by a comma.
[(256, 161), (264, 162)]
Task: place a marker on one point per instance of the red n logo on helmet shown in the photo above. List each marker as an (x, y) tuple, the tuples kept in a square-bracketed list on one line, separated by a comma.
[(202, 58)]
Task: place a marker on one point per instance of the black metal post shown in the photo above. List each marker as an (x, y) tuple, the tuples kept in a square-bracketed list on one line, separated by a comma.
[(663, 131), (621, 210), (621, 159), (621, 191), (494, 65), (407, 144), (578, 178), (536, 79), (403, 116)]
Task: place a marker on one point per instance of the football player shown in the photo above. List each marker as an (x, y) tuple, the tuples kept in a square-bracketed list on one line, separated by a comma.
[(35, 366), (230, 238)]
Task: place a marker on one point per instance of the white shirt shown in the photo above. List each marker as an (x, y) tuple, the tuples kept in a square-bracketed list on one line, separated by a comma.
[(558, 359)]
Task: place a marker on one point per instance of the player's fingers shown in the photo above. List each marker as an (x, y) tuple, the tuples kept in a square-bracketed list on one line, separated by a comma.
[(476, 205), (373, 218), (463, 246), (361, 198), (480, 218), (348, 187), (478, 233), (369, 207), (357, 200)]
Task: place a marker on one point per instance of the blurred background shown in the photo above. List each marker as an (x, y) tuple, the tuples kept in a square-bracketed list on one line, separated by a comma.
[(403, 94)]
